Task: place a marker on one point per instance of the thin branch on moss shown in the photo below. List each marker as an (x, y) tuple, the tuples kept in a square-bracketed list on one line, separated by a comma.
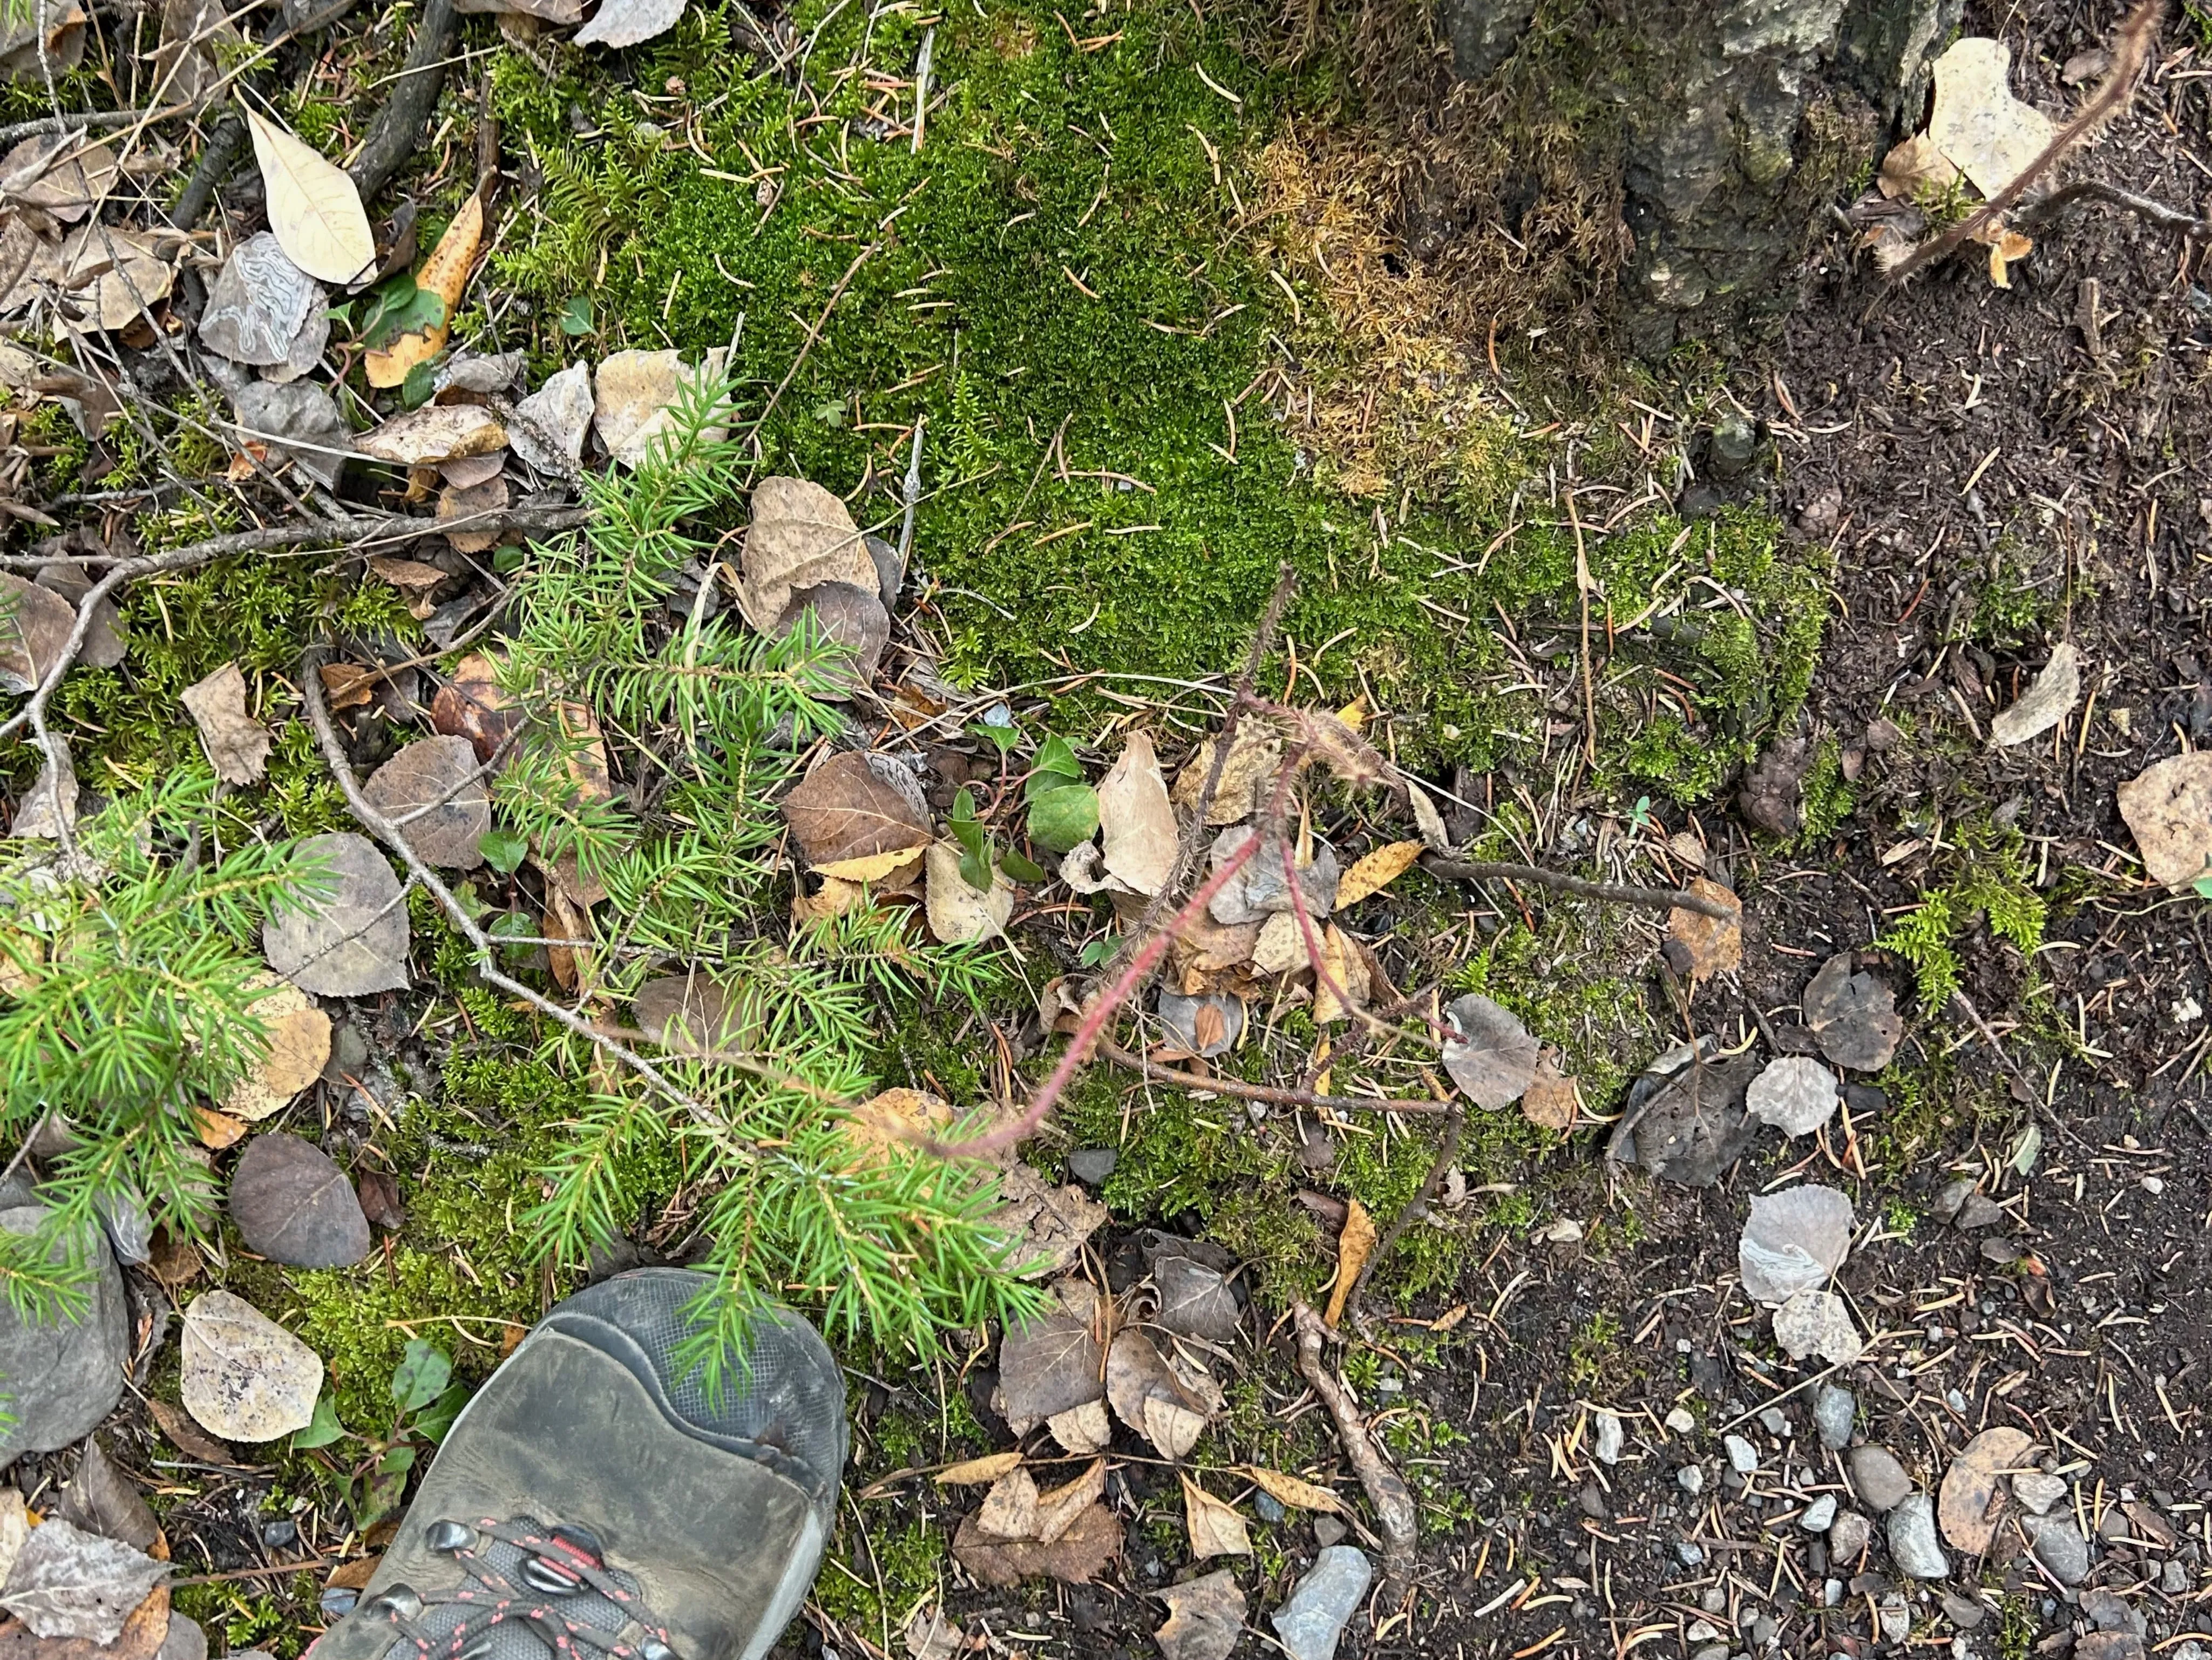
[(1621, 893), (2096, 190), (1386, 1489), (2130, 50), (1416, 1208)]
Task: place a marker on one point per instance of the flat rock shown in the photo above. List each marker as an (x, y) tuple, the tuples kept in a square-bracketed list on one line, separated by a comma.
[(1610, 1438), (2038, 1493), (2059, 1546), (62, 1378), (1742, 1457), (1092, 1166), (1310, 1622), (1819, 1516), (1913, 1545), (1834, 1412), (1878, 1479), (1847, 1536)]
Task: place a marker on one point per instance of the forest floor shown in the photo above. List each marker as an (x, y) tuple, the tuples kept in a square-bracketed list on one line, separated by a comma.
[(1172, 308)]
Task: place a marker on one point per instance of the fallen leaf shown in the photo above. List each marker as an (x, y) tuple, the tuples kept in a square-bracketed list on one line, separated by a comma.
[(1138, 818), (1913, 167), (357, 1574), (44, 44), (978, 1472), (1854, 1016), (1195, 1299), (897, 1121), (1084, 1429), (299, 424), (1552, 1101), (194, 33), (299, 1047), (1818, 1322), (1493, 1058), (2168, 806), (68, 1583), (553, 422), (15, 1529), (1685, 1121), (347, 685), (1795, 1094), (105, 643), (431, 789), (1290, 1491), (1009, 1511), (930, 1636), (175, 1260), (35, 625), (245, 1378), (1092, 1545), (801, 536), (1051, 1365), (695, 1014), (2006, 247), (1205, 1027), (626, 22), (1377, 871), (48, 810), (1261, 888), (292, 1205), (460, 506), (1989, 135), (1714, 945), (1247, 777), (408, 575), (314, 209), (1353, 1247), (217, 1130), (60, 174), (853, 619), (100, 1499), (187, 1436), (1794, 1241), (473, 705), (1052, 1222), (257, 304), (434, 433), (1214, 1526), (1341, 986), (1971, 1499), (1427, 820), (633, 399), (1058, 1510), (149, 1633), (351, 939), (895, 868), (445, 274), (1205, 1617), (237, 744), (1165, 1397), (114, 275), (958, 915), (853, 804)]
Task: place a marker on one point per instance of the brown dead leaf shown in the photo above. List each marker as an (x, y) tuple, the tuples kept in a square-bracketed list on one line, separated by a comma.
[(1345, 972), (1377, 871), (1289, 1490), (1215, 1527), (895, 1121), (695, 1014), (2005, 247), (1551, 1101), (853, 806), (1914, 166), (217, 1130), (1157, 1391), (236, 743), (1247, 776), (1009, 1511), (431, 790), (1050, 1365), (173, 1260), (978, 1472), (35, 625), (2168, 808), (1063, 1506), (1354, 1246), (1083, 1429), (473, 705), (801, 536), (347, 685), (445, 274), (1138, 820), (433, 434), (408, 575), (1054, 1221), (1713, 944), (1205, 1617), (1971, 1499), (187, 1437), (1092, 1545), (357, 1574)]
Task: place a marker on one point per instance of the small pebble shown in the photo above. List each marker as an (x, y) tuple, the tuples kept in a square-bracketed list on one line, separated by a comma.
[(1834, 1411), (1913, 1545), (1763, 1631), (1092, 1165), (1742, 1457), (1776, 1422), (1591, 1499), (1610, 1438), (2174, 1578), (2039, 1492), (1700, 1631), (1847, 1536), (1878, 1479), (280, 1533), (1691, 1478), (1328, 1530), (1680, 1421), (1269, 1506), (1819, 1515), (1688, 1555), (1713, 1599), (1896, 1619), (2153, 1184), (2059, 1546), (1964, 1612)]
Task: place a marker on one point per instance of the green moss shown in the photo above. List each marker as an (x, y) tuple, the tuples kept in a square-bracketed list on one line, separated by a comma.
[(869, 1586), (1994, 883), (249, 1616), (1828, 797)]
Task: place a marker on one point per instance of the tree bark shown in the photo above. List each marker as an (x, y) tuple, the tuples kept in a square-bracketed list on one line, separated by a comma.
[(1737, 117)]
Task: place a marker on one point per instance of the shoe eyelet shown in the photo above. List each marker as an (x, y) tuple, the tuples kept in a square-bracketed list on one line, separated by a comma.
[(553, 1578), (449, 1535), (582, 1539), (654, 1649), (395, 1602)]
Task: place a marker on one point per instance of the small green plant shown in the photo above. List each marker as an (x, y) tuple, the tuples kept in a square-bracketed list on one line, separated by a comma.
[(1995, 885), (425, 1401), (1063, 809)]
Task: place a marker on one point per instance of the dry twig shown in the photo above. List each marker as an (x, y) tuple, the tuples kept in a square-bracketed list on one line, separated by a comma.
[(1623, 893), (1386, 1489)]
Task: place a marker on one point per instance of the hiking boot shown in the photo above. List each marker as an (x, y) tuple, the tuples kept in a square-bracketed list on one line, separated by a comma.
[(591, 1503)]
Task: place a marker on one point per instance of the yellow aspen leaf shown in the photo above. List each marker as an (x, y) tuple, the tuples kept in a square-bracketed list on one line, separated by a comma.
[(1216, 1529), (894, 867), (1353, 1247), (1288, 1490), (978, 1472), (1375, 872), (445, 274), (314, 208)]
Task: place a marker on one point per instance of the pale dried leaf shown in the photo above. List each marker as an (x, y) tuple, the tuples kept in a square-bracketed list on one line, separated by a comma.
[(1081, 1429), (930, 1636), (434, 433), (1138, 820), (1353, 1247), (2168, 806), (1991, 136), (894, 869), (1247, 777), (1290, 1491), (1052, 1222), (634, 398), (1971, 1499), (351, 939), (1914, 166), (245, 1378), (1090, 1546), (299, 1048), (1205, 1617), (1010, 1508), (1794, 1241), (554, 421), (1818, 1322), (2048, 700), (68, 1583), (314, 209), (958, 915), (1714, 944), (898, 1121), (801, 537), (978, 1472), (1060, 1508), (1163, 1396), (1214, 1526), (257, 304), (236, 743), (1377, 871), (1340, 983), (35, 625), (626, 22), (1795, 1094), (1428, 820), (1493, 1059)]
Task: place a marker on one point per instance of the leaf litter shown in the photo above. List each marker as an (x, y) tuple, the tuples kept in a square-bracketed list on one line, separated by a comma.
[(245, 1377), (69, 1583)]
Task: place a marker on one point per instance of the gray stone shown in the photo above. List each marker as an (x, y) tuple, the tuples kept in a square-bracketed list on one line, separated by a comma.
[(1819, 1516), (1710, 1651), (2174, 1578), (62, 1377), (1736, 440), (1742, 1457), (1834, 1412), (1484, 33), (1964, 1612), (1952, 1194), (1688, 1555), (2037, 1491), (1692, 1479), (1329, 1530), (2059, 1546), (1610, 1438), (1332, 1589), (1764, 1630), (1269, 1507), (1092, 1165), (1913, 1545), (1878, 1479), (1978, 1210), (1776, 1422), (1847, 1536), (1680, 1421), (1896, 1619)]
